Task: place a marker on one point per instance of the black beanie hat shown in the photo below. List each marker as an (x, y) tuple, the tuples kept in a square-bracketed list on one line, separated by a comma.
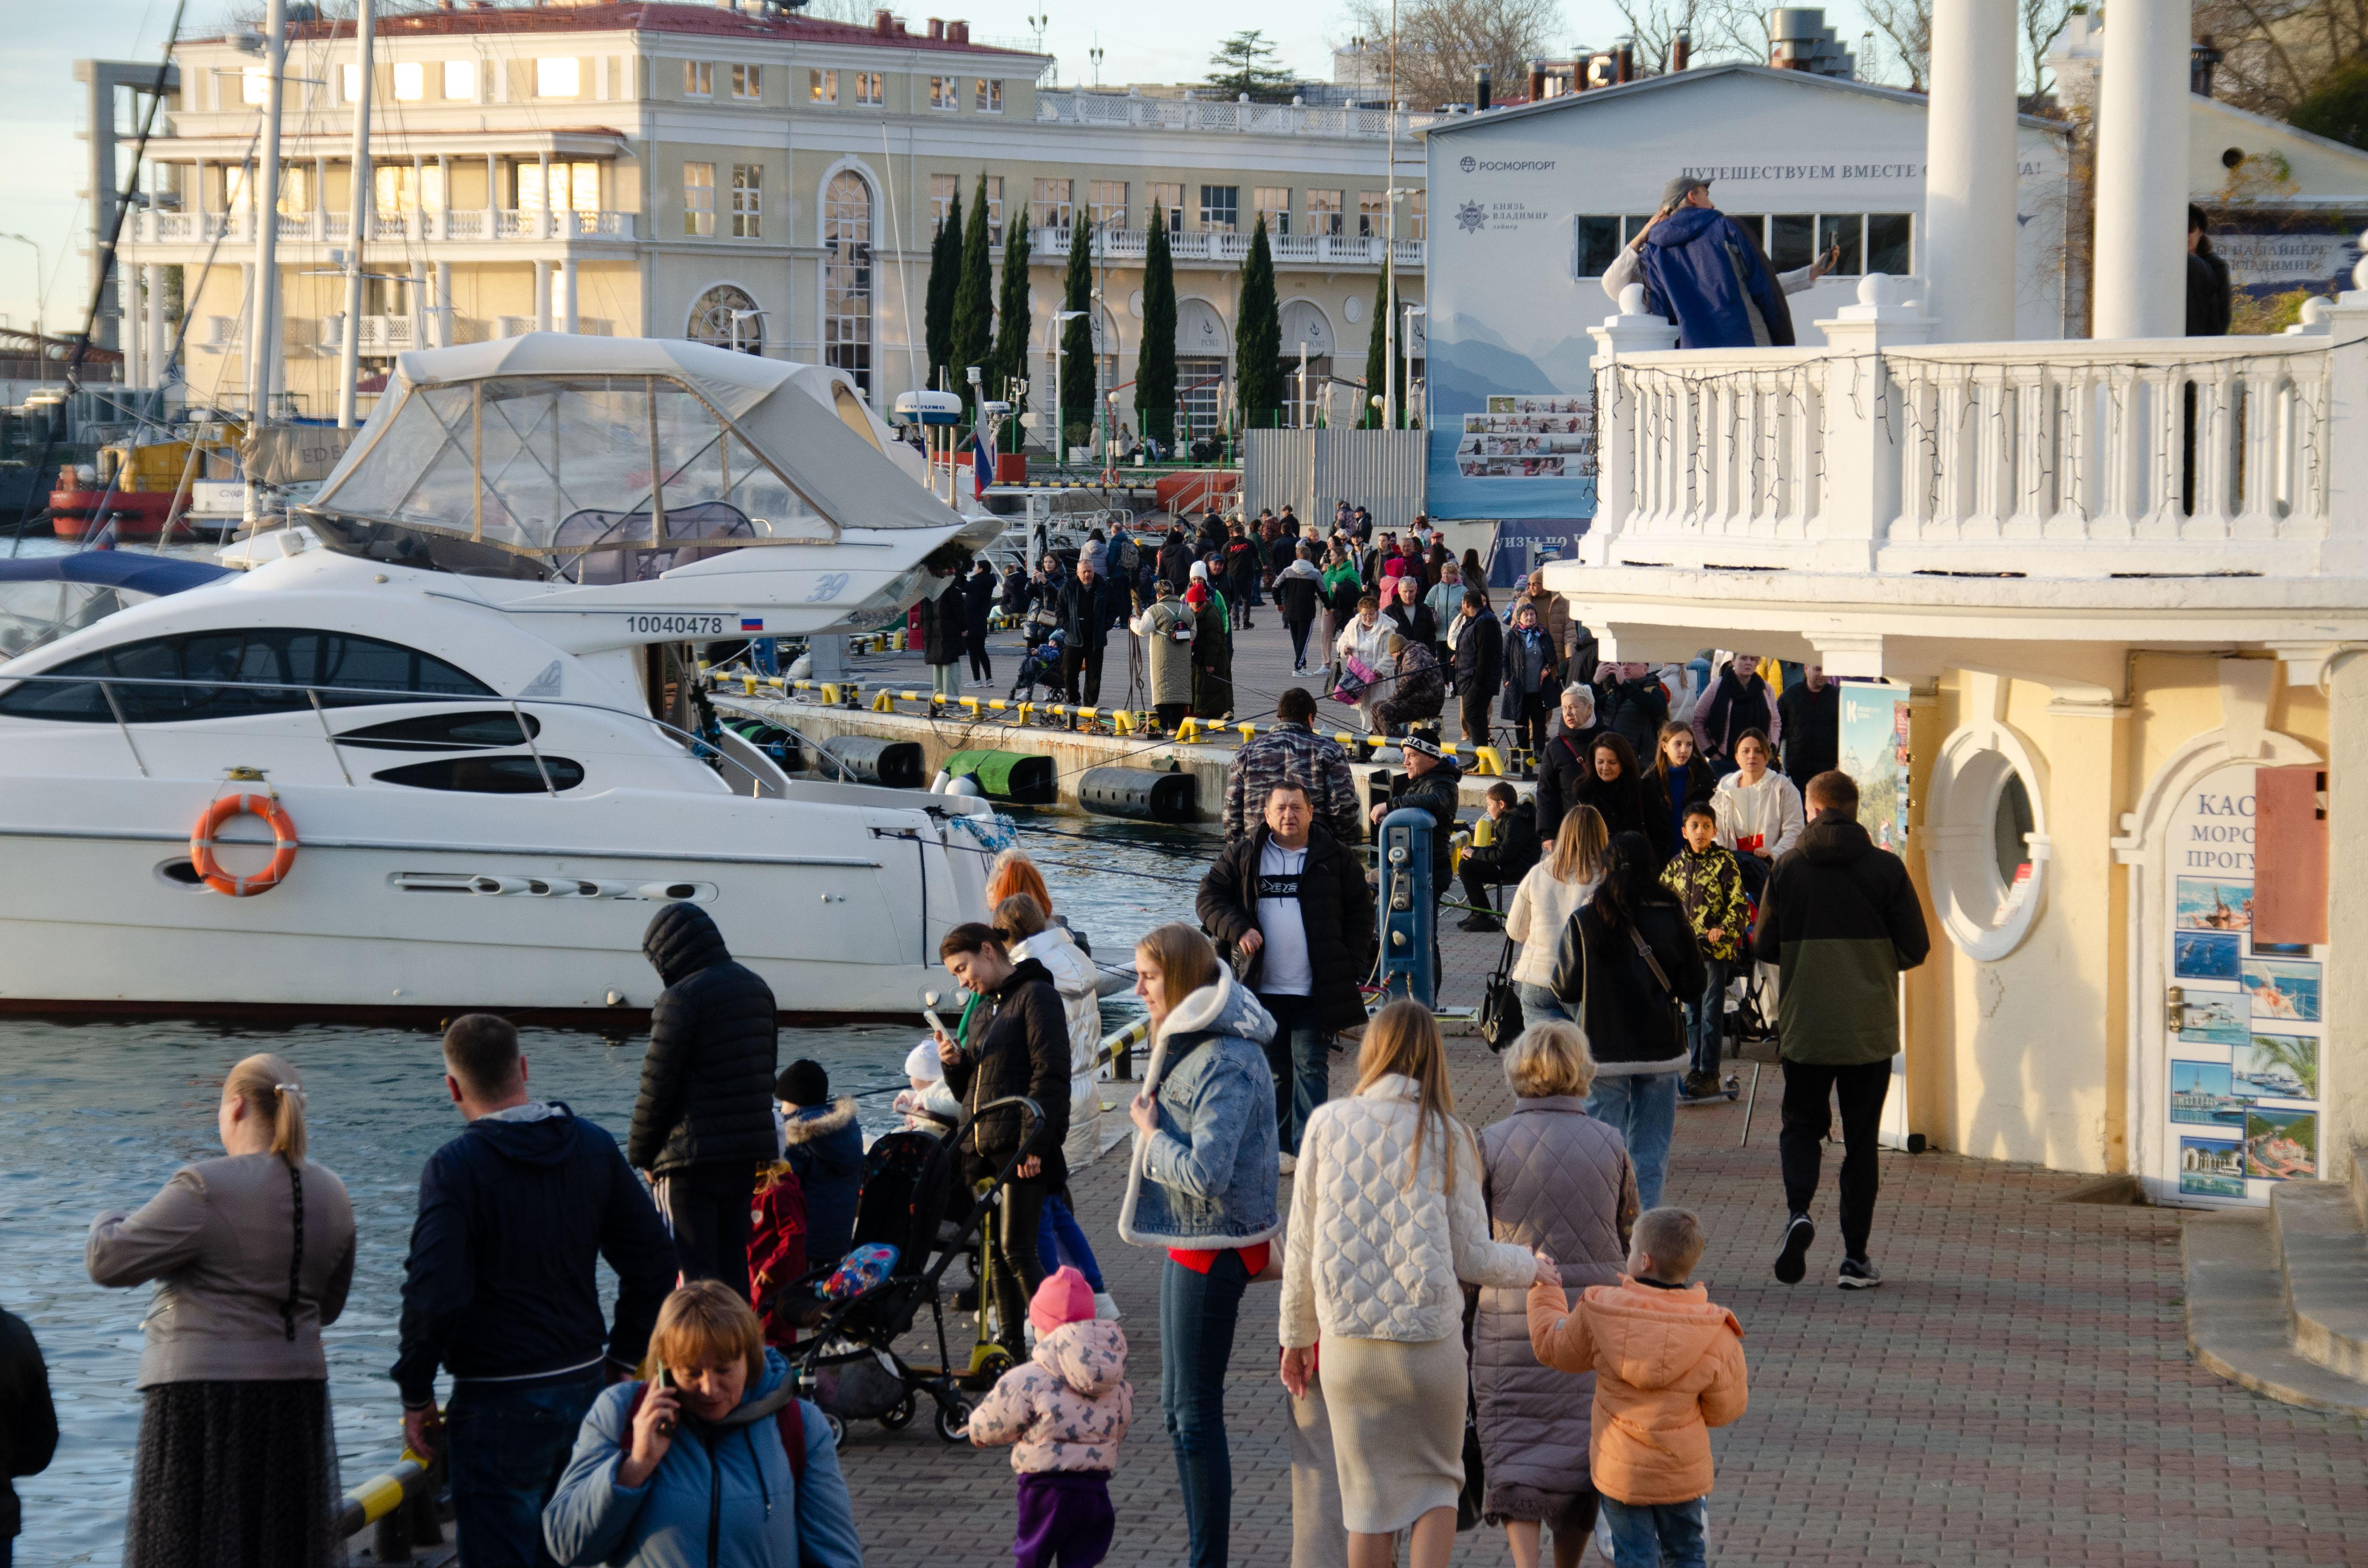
[(802, 1083)]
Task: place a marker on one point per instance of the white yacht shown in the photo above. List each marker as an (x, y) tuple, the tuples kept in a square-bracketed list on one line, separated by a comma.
[(456, 694)]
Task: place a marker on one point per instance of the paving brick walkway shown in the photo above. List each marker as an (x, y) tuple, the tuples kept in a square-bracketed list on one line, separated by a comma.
[(2020, 1393)]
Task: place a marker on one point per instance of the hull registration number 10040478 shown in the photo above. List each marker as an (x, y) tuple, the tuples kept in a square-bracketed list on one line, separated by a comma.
[(675, 625)]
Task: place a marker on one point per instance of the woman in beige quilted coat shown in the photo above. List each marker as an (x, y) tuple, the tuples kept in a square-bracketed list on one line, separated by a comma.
[(1559, 1181), (1386, 1224)]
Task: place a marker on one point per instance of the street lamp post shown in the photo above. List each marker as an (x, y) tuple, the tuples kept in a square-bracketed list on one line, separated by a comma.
[(1406, 343), (1060, 431)]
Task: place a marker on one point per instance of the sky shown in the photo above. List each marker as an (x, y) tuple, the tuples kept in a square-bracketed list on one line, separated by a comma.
[(41, 104)]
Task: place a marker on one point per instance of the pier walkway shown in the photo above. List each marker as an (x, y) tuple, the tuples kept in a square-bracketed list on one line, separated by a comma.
[(2019, 1393)]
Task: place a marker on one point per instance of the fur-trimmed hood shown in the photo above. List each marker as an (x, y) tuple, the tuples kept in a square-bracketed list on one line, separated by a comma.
[(812, 1123)]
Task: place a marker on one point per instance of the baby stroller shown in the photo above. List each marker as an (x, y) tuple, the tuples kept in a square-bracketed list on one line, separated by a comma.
[(913, 1199), (1041, 665)]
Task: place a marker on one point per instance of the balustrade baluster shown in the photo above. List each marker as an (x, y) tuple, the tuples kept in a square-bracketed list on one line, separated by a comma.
[(2165, 441)]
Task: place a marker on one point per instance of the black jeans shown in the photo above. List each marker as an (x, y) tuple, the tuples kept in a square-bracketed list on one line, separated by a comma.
[(1016, 1268), (1299, 643), (706, 1206), (1530, 729), (1087, 663), (1806, 1119), (1480, 874), (1168, 715), (1474, 716), (508, 1445), (981, 667)]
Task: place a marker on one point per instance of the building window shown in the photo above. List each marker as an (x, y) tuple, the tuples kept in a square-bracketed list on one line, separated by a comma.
[(747, 82), (1221, 208), (1168, 199), (945, 92), (728, 318), (252, 82), (1109, 203), (1274, 206), (460, 80), (747, 202), (410, 81), (822, 86), (987, 95), (868, 88), (394, 188), (1200, 388), (1418, 214), (350, 81), (1987, 861), (699, 201), (698, 79), (943, 189), (1889, 243), (846, 276), (1324, 212), (1372, 214), (558, 78), (573, 185), (1053, 205), (995, 209)]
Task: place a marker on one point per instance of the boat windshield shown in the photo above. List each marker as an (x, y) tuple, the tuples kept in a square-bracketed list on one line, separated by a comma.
[(600, 478), (43, 598)]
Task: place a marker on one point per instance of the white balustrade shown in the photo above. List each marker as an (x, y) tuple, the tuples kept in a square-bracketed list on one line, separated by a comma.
[(1081, 107), (1203, 245)]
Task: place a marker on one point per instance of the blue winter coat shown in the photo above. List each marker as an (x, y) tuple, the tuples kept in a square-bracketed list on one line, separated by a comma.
[(732, 1481), (825, 1146), (1690, 277), (1207, 1177)]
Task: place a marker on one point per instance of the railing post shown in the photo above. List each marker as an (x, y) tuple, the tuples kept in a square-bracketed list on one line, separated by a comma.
[(2345, 550), (1629, 330), (1865, 426)]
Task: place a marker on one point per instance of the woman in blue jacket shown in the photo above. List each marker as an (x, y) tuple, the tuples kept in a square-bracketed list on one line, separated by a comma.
[(696, 1473)]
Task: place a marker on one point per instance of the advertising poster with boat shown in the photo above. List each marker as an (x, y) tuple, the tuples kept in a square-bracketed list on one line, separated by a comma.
[(2244, 1078)]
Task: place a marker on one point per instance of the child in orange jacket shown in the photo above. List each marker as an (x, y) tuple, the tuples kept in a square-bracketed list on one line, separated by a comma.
[(1669, 1367)]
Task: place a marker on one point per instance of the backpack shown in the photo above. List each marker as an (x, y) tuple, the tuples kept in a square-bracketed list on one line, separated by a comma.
[(789, 1420)]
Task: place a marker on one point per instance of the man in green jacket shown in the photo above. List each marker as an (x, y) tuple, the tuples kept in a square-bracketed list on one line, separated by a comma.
[(1842, 920)]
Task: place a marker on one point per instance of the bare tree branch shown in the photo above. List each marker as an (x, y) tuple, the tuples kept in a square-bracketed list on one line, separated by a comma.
[(1441, 44)]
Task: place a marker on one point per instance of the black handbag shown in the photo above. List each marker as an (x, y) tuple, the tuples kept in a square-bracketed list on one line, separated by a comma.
[(1500, 1018)]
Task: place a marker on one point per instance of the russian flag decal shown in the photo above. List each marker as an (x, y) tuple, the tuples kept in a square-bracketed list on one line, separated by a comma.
[(752, 624)]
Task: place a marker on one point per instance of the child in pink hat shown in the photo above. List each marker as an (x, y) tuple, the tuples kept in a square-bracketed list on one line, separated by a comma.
[(1061, 1412)]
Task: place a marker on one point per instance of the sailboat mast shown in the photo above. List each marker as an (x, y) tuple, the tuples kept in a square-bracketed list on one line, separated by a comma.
[(263, 321), (350, 357)]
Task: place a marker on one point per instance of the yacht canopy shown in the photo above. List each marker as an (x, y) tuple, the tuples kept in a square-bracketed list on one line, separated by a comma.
[(614, 459)]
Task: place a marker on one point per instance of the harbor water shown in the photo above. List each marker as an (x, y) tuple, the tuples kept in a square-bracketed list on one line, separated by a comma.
[(96, 1116)]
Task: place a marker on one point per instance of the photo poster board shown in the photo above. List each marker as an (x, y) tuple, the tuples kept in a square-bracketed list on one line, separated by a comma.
[(1874, 754), (2244, 1079), (1509, 380)]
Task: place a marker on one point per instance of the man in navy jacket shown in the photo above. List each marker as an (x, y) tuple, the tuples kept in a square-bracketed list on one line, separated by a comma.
[(500, 1290)]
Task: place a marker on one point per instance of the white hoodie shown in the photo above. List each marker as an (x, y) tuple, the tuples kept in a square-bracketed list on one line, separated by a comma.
[(1074, 978), (1771, 810)]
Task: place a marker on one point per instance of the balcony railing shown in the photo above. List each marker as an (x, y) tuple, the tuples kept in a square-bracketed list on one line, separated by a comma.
[(424, 223), (1080, 108), (1196, 246), (1879, 451)]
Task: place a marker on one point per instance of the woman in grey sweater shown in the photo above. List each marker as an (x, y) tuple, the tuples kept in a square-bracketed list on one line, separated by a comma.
[(252, 1255)]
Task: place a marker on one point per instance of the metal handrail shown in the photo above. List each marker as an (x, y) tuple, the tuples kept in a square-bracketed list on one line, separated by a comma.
[(700, 749)]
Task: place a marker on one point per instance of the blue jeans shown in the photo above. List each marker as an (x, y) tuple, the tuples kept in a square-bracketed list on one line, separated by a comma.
[(1642, 1107), (1300, 1056), (1706, 1016), (1658, 1535), (1196, 1341), (1537, 1002), (1060, 1239), (508, 1445)]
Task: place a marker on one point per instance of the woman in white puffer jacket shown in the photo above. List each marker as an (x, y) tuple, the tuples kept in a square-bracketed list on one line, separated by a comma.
[(1387, 1223)]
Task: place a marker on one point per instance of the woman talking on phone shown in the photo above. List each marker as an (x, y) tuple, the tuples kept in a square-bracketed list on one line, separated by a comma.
[(715, 1420)]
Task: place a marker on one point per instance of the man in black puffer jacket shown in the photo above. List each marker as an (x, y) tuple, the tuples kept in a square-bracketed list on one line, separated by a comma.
[(703, 1121)]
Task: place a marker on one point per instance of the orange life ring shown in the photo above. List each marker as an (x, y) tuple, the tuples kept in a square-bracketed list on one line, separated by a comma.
[(283, 844)]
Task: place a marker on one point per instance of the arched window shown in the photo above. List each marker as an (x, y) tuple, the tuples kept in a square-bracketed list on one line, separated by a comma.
[(728, 318), (846, 276)]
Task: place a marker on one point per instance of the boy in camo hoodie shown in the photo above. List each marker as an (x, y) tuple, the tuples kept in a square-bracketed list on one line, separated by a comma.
[(1709, 882), (1062, 1411)]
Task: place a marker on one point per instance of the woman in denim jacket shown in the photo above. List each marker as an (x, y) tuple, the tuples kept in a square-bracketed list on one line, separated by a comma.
[(1202, 1187)]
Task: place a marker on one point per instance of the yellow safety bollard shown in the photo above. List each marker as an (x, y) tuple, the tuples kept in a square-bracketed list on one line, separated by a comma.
[(1487, 762), (1121, 723), (1247, 731), (1187, 732), (830, 693), (971, 703), (1483, 832), (884, 704)]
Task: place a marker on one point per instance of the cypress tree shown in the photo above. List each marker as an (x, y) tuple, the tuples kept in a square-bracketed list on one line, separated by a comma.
[(973, 316), (1154, 374), (945, 272), (1014, 314), (1077, 381), (1377, 359), (1257, 338)]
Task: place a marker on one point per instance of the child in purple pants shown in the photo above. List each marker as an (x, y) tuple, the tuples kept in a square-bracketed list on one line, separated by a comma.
[(1062, 1411)]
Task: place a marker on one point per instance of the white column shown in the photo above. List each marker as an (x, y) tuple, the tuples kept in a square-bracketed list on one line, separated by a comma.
[(443, 328), (542, 229), (419, 303), (263, 344), (127, 332), (567, 290), (2142, 172), (159, 340), (1969, 169), (543, 295), (1628, 330)]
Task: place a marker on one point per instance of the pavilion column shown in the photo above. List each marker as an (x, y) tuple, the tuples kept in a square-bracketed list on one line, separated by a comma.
[(567, 289), (543, 295), (1969, 180), (443, 317), (2141, 267), (158, 339)]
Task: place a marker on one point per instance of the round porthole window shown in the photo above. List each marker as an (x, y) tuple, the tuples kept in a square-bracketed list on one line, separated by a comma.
[(1987, 846)]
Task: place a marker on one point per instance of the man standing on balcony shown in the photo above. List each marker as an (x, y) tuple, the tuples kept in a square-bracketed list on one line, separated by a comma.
[(1705, 273)]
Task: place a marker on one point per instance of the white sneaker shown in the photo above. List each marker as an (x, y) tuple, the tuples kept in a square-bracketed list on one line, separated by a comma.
[(1105, 1308), (1288, 1162)]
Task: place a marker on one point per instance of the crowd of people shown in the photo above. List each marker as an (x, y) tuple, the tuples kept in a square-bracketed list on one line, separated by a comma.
[(569, 1435)]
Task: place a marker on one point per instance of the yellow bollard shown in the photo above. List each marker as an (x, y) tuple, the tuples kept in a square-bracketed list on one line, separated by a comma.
[(1487, 762), (971, 703), (1121, 723), (830, 693), (1187, 732), (884, 704), (1483, 832), (1249, 731)]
